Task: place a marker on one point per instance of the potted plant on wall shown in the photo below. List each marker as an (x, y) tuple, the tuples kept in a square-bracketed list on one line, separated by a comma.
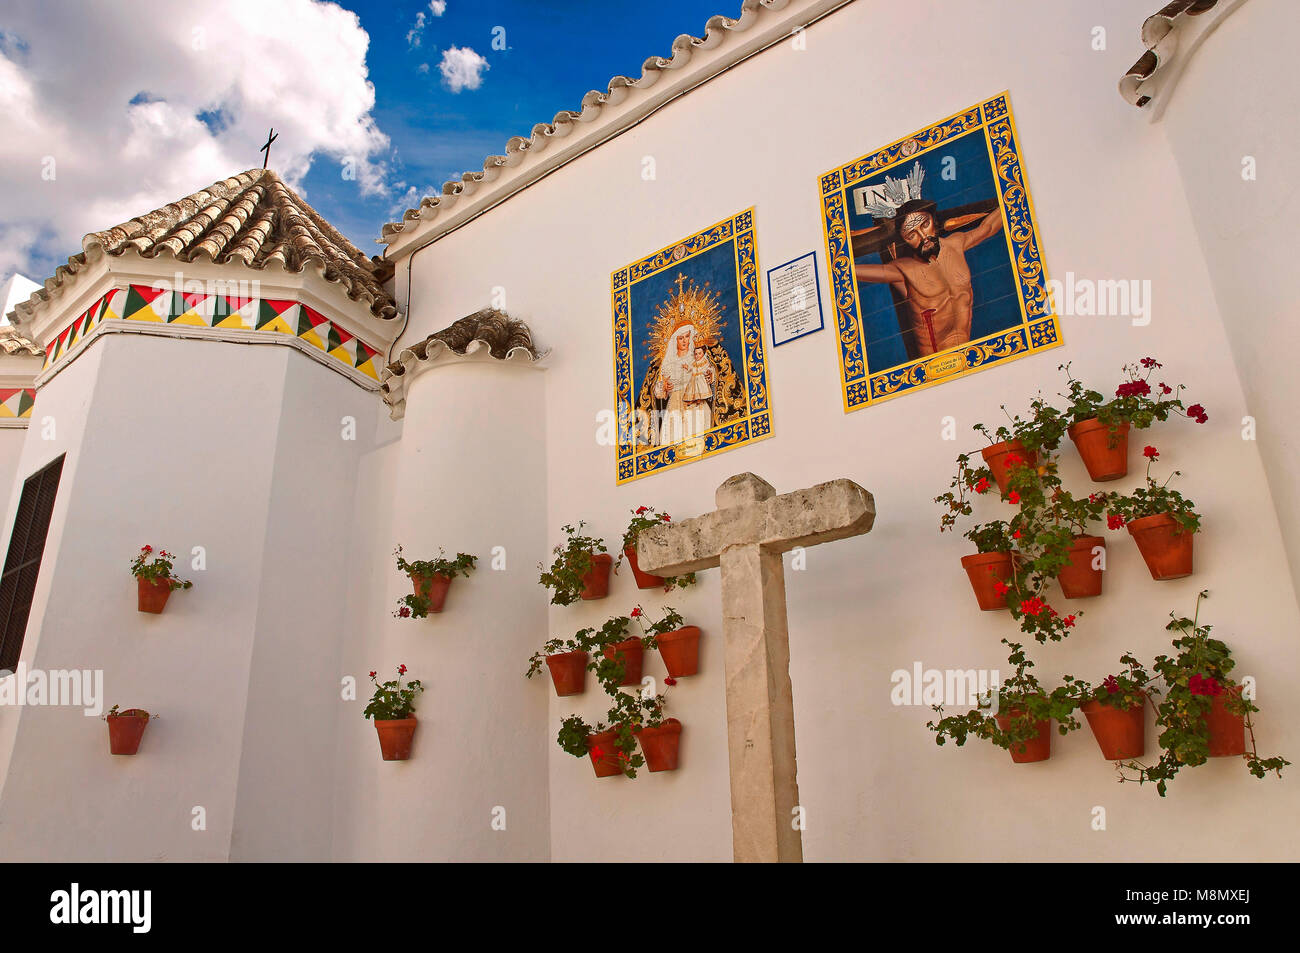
[(431, 579), (393, 708), (1116, 710), (580, 569), (678, 644), (1022, 721), (154, 579), (1099, 427), (644, 517), (126, 728), (1205, 714), (659, 735), (566, 659), (618, 658), (1161, 521), (611, 743)]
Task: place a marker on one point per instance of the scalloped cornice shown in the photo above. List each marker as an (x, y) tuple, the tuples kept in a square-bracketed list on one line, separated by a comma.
[(487, 336), (1171, 35)]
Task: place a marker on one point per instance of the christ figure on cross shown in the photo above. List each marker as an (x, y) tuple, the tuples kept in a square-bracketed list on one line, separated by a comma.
[(934, 276)]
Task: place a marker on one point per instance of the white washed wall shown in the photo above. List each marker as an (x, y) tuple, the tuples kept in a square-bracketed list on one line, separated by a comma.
[(1109, 206)]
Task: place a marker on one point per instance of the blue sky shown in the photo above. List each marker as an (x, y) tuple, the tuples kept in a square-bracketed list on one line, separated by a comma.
[(555, 52), (109, 110)]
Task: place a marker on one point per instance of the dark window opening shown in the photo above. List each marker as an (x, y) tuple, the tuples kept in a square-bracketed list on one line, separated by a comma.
[(26, 546)]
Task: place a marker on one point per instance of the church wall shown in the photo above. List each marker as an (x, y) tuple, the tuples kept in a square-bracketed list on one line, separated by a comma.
[(155, 455), (1105, 188), (1221, 121), (467, 476), (11, 451), (284, 805)]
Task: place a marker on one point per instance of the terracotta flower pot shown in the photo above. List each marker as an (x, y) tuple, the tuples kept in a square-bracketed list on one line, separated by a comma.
[(632, 653), (1120, 732), (984, 569), (1078, 579), (603, 754), (1227, 730), (680, 650), (660, 745), (125, 729), (996, 458), (1037, 748), (152, 594), (395, 736), (1103, 453), (568, 672), (644, 580), (433, 588), (595, 584), (1164, 544)]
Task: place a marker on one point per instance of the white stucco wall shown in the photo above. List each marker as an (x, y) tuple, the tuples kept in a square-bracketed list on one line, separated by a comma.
[(1105, 187), (467, 476), (1223, 117), (243, 668)]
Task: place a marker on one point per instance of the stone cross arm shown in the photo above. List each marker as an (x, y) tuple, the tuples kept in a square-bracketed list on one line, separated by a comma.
[(750, 513)]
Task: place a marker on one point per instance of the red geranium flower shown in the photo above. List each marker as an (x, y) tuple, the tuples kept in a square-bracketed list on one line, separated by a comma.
[(1000, 587), (372, 674), (1197, 413), (669, 680), (667, 518), (146, 549), (1013, 497), (1013, 460), (1032, 606), (1165, 388), (1068, 621), (1111, 684), (636, 613), (1114, 522), (1200, 685), (982, 486), (1016, 534), (1151, 362), (401, 670), (641, 509), (1150, 452), (597, 752), (404, 612)]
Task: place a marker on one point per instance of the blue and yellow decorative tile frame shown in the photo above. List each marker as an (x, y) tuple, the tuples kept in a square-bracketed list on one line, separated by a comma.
[(1028, 322), (652, 306)]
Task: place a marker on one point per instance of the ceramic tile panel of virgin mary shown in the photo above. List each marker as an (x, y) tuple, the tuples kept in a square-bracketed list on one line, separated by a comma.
[(691, 335)]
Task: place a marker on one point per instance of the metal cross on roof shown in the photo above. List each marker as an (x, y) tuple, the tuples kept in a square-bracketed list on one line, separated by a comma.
[(270, 138)]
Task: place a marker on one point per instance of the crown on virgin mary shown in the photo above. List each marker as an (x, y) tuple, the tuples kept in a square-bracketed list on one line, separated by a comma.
[(687, 305)]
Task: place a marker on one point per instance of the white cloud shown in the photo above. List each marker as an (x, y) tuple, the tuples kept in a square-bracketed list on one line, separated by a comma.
[(423, 68), (114, 106), (462, 68), (437, 7), (416, 33)]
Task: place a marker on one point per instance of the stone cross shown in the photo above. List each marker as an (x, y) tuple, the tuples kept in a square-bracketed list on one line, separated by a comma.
[(746, 536)]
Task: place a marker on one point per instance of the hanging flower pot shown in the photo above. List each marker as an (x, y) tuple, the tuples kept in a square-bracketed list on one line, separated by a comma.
[(1120, 732), (1078, 579), (595, 582), (125, 729), (996, 458), (1104, 453), (632, 652), (603, 754), (1037, 748), (680, 650), (1164, 544), (395, 736), (568, 672), (644, 580), (660, 745), (152, 594), (985, 571), (1227, 730), (433, 589)]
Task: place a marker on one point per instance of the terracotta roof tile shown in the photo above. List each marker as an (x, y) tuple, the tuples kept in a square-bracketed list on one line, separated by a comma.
[(253, 219), (1161, 45)]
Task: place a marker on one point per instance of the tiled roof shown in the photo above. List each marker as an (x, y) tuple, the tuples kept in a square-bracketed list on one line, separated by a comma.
[(717, 31), (251, 219), (14, 343), (1159, 35)]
